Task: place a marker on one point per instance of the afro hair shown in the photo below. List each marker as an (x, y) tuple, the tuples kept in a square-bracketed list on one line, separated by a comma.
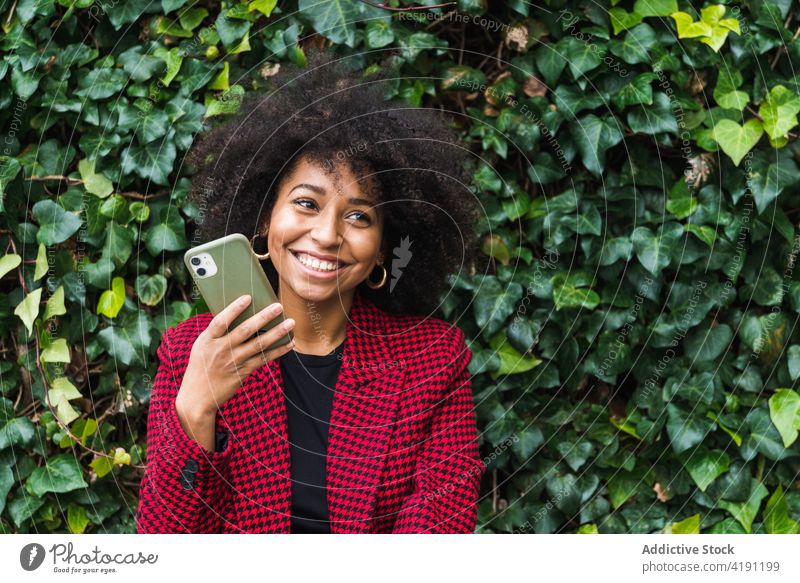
[(328, 111)]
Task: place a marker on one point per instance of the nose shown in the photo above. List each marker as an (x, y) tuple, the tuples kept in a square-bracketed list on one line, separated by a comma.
[(325, 232)]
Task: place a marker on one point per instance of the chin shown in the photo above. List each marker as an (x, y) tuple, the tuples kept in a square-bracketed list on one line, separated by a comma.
[(312, 292)]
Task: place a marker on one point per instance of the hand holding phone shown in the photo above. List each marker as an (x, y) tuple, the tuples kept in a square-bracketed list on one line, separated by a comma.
[(220, 359), (226, 269)]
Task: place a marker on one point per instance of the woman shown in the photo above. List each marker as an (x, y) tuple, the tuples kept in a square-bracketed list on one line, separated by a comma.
[(359, 210)]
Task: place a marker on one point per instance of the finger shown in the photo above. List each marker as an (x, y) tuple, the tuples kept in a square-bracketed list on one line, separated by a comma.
[(262, 341), (246, 329), (221, 322), (262, 358)]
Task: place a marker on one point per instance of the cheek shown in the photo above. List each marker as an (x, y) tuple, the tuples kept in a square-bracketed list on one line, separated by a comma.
[(364, 247), (283, 228)]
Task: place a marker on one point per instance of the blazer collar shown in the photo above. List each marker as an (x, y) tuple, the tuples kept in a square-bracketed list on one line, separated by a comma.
[(362, 419)]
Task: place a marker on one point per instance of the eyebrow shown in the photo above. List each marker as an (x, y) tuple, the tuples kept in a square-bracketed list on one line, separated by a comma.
[(321, 191)]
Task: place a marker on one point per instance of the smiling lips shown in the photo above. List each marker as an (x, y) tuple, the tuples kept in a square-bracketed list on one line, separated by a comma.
[(314, 263)]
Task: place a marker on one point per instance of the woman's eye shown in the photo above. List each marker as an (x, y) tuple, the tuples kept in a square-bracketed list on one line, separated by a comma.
[(362, 217), (300, 202)]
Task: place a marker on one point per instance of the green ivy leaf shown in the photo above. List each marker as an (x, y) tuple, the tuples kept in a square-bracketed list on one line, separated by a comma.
[(129, 341), (705, 466), (58, 351), (793, 361), (112, 300), (55, 304), (229, 103), (706, 234), (550, 60), (681, 203), (733, 100), (569, 291), (779, 111), (8, 262), (764, 438), (776, 515), (333, 19), (153, 160), (61, 474), (379, 34), (594, 137), (711, 29), (77, 518), (6, 483), (636, 46), (151, 289), (655, 119), (9, 168), (689, 525), (621, 19), (745, 512), (55, 224), (581, 56), (622, 485), (94, 183), (688, 28), (736, 140), (28, 308), (770, 174), (655, 250), (265, 7), (647, 8), (511, 361), (494, 304), (167, 231), (102, 83), (41, 263), (784, 410), (60, 394), (637, 91), (684, 429), (16, 431), (127, 12)]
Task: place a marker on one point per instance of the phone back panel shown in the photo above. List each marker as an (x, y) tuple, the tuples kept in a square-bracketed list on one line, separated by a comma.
[(238, 273)]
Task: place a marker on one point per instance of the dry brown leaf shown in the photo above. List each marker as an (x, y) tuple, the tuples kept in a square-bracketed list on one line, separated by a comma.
[(534, 87), (517, 38), (661, 493), (269, 70)]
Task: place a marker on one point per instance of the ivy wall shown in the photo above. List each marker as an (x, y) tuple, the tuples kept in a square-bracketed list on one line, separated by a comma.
[(635, 353)]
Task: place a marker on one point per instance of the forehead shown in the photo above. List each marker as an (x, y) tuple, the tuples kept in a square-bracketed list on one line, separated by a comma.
[(324, 177)]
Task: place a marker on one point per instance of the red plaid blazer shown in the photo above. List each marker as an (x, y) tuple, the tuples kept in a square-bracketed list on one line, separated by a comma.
[(402, 447)]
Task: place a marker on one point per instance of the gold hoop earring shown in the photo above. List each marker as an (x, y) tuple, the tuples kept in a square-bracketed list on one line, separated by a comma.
[(260, 257), (383, 279)]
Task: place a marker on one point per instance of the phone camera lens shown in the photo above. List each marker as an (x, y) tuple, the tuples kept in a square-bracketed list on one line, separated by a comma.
[(195, 261), (201, 271)]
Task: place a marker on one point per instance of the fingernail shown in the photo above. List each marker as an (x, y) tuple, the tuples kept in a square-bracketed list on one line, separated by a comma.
[(276, 309), (244, 300), (288, 324)]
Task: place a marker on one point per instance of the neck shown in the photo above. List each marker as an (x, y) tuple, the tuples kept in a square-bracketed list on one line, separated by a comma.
[(320, 325)]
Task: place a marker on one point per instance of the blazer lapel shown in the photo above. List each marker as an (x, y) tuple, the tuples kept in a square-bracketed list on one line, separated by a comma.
[(362, 420)]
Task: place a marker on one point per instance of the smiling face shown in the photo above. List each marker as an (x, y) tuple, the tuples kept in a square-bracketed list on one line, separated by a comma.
[(325, 231)]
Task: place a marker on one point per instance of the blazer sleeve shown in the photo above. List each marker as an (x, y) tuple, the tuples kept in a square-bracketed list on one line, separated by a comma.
[(185, 487), (448, 473)]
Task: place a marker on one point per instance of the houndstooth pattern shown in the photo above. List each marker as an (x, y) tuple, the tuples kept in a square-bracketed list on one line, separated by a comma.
[(402, 447)]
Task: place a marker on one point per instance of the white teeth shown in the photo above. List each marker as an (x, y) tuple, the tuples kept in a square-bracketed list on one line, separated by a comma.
[(315, 263)]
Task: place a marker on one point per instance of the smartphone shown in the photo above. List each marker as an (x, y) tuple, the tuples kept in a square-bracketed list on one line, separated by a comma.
[(226, 269)]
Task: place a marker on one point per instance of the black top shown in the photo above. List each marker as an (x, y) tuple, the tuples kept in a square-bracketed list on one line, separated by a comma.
[(308, 384)]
